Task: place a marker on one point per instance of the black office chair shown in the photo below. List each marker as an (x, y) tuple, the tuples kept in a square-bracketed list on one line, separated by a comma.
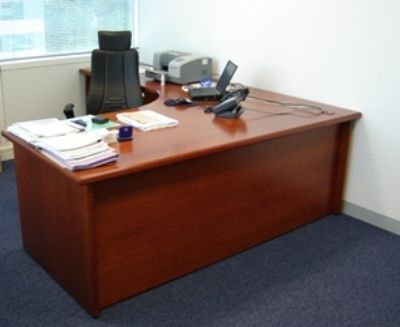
[(114, 82)]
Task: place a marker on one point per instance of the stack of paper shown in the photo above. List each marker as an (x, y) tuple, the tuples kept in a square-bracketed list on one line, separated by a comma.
[(64, 144), (77, 151), (34, 130), (146, 120)]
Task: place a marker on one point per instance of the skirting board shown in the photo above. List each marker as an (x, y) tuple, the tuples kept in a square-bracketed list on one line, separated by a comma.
[(389, 224), (6, 152)]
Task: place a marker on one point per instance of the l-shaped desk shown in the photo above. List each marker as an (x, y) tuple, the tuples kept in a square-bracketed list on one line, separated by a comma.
[(180, 198)]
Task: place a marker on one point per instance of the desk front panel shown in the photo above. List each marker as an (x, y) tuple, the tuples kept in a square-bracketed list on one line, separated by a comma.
[(156, 225)]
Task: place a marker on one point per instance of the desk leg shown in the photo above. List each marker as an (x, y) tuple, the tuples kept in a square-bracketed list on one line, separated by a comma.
[(57, 225), (87, 84), (339, 173)]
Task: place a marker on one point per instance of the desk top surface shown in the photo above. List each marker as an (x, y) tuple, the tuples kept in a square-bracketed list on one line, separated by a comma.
[(200, 134)]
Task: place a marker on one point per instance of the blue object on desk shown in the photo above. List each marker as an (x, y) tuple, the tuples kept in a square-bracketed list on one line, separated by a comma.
[(206, 82), (125, 133)]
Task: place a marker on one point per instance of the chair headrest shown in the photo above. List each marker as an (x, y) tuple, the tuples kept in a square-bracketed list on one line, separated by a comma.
[(114, 40)]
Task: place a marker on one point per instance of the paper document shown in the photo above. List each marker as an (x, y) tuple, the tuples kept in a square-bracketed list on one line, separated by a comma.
[(47, 127), (70, 142), (146, 120), (85, 163), (64, 144)]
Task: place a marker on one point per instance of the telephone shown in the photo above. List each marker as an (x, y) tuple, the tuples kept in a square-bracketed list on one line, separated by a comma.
[(241, 92), (230, 106)]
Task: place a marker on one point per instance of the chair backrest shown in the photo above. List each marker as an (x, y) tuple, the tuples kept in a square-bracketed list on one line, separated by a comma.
[(114, 82)]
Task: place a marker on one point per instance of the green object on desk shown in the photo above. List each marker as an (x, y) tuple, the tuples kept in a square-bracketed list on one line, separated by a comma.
[(110, 124), (90, 125)]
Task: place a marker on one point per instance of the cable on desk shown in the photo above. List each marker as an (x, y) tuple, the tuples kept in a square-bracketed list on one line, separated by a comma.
[(294, 106)]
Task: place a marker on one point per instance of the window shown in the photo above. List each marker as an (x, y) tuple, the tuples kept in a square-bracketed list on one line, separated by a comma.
[(11, 10), (31, 28)]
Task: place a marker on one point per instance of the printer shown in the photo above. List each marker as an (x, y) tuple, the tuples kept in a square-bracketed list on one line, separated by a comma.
[(179, 67)]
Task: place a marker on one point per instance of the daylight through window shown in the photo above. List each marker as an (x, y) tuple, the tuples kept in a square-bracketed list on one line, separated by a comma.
[(30, 28)]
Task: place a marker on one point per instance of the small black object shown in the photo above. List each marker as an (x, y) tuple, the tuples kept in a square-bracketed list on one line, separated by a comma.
[(125, 133), (69, 110), (80, 122), (229, 108), (99, 120), (180, 102)]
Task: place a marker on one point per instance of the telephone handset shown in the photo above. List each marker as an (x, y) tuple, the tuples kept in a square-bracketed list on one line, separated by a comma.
[(230, 106), (241, 92)]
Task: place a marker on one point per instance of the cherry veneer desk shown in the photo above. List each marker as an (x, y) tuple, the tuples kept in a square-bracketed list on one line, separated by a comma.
[(180, 198)]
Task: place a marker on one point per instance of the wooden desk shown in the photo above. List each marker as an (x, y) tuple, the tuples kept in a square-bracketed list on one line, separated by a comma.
[(180, 198)]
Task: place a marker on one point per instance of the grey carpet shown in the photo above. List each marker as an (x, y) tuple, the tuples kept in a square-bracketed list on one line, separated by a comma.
[(337, 271)]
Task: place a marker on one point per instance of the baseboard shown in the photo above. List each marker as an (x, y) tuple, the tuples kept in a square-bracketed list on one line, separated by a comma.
[(6, 152), (389, 224)]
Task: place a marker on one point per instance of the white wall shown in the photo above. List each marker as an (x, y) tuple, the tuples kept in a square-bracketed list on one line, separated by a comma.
[(342, 52), (39, 89)]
